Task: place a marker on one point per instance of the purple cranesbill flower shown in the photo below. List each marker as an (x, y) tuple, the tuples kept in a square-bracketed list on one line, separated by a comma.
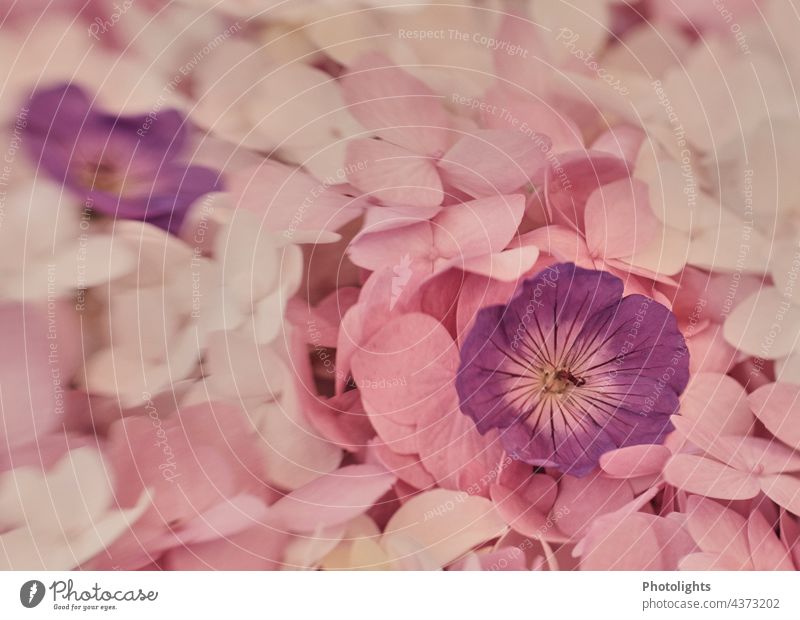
[(122, 166), (570, 369)]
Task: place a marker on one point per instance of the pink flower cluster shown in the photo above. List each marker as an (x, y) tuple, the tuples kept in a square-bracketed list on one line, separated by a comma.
[(342, 285)]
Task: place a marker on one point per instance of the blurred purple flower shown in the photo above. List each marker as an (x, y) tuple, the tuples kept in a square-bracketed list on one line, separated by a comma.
[(121, 166)]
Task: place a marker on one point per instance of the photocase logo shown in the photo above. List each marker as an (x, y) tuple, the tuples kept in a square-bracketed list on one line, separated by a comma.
[(31, 593)]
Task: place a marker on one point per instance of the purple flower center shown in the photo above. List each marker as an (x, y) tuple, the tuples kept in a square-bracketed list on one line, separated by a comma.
[(570, 369)]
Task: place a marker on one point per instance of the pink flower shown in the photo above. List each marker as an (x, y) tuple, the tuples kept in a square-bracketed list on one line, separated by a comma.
[(472, 236)]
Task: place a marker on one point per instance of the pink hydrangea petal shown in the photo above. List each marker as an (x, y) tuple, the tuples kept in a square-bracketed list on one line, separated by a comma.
[(636, 541), (580, 173), (530, 72), (697, 474), (287, 198), (582, 500), (508, 266), (709, 352), (224, 519), (718, 400), (618, 219), (494, 161), (784, 490), (332, 499), (28, 398), (399, 438), (393, 174), (622, 141), (716, 529), (400, 249), (712, 561), (407, 467), (397, 106), (504, 558), (633, 461), (444, 525), (341, 420), (561, 243), (522, 516), (406, 368), (778, 406), (256, 548), (766, 549), (508, 108), (477, 292), (477, 227), (453, 451), (745, 330), (760, 455)]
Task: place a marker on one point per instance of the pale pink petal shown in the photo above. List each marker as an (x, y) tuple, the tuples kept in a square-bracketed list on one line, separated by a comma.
[(766, 549), (778, 406), (400, 249), (750, 325), (561, 243), (476, 293), (508, 266), (504, 558), (709, 352), (618, 219), (453, 451), (529, 72), (294, 451), (717, 529), (703, 434), (790, 535), (633, 461), (223, 520), (341, 419), (522, 516), (239, 368), (289, 199), (494, 161), (256, 548), (783, 490), (29, 399), (477, 227), (635, 541), (622, 141), (712, 561), (582, 500), (406, 467), (759, 455), (393, 174), (696, 474), (445, 525), (509, 108), (406, 368), (577, 174), (399, 438), (397, 106), (307, 551), (718, 401), (332, 499)]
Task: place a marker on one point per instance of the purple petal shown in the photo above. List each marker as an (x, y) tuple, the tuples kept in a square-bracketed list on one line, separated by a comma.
[(570, 370)]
